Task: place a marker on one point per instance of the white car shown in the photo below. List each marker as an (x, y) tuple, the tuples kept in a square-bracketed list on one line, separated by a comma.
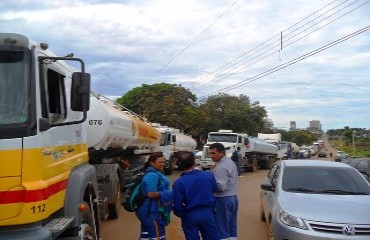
[(315, 200)]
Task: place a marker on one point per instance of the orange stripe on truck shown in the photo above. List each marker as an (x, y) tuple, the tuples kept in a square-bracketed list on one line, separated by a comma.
[(28, 196)]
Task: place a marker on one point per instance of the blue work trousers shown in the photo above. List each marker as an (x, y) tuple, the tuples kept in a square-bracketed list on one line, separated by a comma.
[(200, 220), (226, 216), (152, 224)]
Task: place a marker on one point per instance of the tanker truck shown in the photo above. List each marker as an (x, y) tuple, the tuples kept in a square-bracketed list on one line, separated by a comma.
[(115, 133), (287, 150), (59, 145), (256, 153), (173, 143), (260, 154)]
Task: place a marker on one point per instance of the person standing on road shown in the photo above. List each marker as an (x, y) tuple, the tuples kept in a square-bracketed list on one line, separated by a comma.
[(237, 159), (226, 175), (124, 164), (156, 187), (194, 201)]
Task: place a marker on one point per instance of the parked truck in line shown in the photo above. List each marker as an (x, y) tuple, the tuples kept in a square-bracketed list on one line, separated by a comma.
[(60, 145), (256, 153), (286, 149), (174, 143), (270, 137)]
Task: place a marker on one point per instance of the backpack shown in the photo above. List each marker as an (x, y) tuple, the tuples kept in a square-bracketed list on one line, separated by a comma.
[(134, 197), (235, 156)]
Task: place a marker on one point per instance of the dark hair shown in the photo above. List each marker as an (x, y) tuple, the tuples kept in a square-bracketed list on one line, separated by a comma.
[(186, 160), (152, 157), (219, 146)]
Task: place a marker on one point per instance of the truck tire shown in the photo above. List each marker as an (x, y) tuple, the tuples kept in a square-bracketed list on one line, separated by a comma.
[(264, 164), (113, 208)]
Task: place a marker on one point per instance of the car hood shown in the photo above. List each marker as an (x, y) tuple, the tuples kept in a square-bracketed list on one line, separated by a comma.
[(354, 209)]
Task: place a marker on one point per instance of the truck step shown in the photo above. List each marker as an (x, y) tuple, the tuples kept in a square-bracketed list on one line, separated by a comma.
[(58, 225)]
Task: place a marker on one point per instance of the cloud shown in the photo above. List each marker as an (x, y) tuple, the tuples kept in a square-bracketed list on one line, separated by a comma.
[(127, 43)]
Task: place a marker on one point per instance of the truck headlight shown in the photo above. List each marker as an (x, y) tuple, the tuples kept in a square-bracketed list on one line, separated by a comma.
[(291, 220)]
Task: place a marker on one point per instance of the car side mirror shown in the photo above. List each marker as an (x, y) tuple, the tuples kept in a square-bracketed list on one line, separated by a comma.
[(268, 187)]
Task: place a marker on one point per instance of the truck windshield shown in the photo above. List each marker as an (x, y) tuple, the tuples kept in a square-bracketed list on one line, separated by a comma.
[(283, 145), (222, 138), (14, 72)]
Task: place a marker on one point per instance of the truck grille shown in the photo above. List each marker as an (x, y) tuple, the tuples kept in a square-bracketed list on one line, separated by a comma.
[(339, 228)]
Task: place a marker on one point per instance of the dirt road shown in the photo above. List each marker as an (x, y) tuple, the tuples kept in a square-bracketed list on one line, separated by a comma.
[(127, 227)]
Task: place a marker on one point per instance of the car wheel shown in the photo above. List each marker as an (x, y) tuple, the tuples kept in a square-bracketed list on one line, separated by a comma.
[(270, 232), (262, 214)]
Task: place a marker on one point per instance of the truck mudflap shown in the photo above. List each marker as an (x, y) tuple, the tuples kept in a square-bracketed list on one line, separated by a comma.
[(26, 232)]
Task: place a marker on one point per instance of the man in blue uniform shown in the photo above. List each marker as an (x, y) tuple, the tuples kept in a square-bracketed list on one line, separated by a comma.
[(194, 201), (227, 204)]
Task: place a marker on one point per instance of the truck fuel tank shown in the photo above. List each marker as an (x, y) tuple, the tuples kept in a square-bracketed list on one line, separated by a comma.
[(110, 126)]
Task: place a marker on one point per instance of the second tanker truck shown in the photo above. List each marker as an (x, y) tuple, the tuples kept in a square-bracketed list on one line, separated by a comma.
[(256, 152)]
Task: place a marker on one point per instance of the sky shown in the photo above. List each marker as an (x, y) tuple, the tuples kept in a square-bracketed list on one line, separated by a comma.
[(302, 60)]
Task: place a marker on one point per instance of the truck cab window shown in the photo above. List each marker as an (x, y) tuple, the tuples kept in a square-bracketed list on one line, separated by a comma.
[(55, 96)]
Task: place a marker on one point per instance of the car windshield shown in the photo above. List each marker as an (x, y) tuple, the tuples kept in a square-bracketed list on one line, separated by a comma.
[(320, 180)]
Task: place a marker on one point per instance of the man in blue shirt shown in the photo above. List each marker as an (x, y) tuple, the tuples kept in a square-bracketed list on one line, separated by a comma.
[(227, 204), (194, 201)]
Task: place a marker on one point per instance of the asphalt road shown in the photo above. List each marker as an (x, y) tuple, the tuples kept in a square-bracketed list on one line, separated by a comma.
[(127, 226)]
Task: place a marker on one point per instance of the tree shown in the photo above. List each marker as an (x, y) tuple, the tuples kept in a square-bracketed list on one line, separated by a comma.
[(175, 106), (168, 104), (236, 113), (300, 137)]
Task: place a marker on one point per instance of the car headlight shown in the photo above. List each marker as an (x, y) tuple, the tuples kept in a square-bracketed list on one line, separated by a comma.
[(291, 220)]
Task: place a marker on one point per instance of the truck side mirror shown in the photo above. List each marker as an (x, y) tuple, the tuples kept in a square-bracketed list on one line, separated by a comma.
[(80, 92)]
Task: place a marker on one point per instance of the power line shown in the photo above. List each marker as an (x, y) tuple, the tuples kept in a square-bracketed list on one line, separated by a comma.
[(192, 42), (277, 40), (291, 62), (241, 64)]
